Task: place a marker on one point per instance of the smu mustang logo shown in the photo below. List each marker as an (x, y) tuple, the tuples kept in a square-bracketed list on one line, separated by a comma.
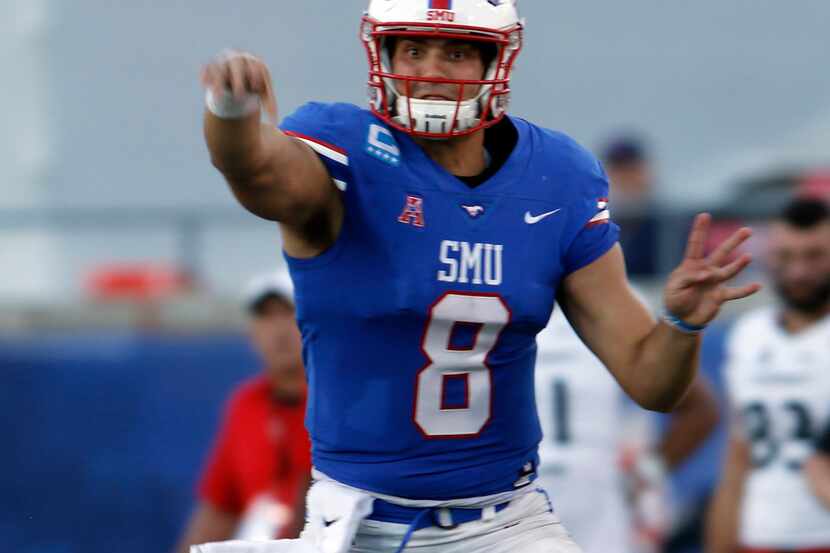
[(473, 211)]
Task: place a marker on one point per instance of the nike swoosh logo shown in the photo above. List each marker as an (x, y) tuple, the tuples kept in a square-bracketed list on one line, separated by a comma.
[(328, 522), (533, 219)]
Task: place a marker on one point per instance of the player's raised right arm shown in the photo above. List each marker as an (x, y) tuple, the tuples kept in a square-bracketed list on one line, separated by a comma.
[(271, 174)]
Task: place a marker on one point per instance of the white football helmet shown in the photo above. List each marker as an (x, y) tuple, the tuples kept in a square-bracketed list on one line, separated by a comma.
[(493, 22)]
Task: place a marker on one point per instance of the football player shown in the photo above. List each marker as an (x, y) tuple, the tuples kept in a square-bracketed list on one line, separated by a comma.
[(427, 238), (587, 423), (778, 373)]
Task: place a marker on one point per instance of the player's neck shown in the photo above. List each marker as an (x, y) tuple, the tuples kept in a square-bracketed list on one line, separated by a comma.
[(287, 388), (795, 321), (462, 156)]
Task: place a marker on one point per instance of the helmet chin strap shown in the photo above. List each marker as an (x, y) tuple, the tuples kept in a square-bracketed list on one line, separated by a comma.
[(436, 116)]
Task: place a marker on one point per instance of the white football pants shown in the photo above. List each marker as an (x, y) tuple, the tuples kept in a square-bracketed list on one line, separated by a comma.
[(527, 525)]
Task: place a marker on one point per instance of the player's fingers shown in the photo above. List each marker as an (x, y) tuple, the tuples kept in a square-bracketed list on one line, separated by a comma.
[(723, 251), (729, 294), (206, 78), (245, 75), (686, 279), (214, 77), (260, 79), (696, 244), (253, 73), (731, 270), (238, 79), (257, 73), (269, 99)]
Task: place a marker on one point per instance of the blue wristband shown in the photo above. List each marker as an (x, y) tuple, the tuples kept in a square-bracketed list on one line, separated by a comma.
[(681, 325)]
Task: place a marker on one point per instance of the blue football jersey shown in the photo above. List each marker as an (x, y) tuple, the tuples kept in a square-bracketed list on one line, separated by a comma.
[(419, 323)]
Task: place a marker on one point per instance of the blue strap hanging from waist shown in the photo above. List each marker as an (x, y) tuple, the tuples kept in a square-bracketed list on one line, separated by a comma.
[(418, 518)]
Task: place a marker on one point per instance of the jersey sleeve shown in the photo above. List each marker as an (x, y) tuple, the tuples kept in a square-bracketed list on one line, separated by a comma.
[(320, 126), (593, 230), (216, 485)]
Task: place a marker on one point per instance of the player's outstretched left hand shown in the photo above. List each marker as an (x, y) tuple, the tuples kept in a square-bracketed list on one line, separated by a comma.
[(696, 290)]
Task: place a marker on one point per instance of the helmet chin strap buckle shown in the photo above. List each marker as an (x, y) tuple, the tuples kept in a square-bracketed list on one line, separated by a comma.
[(439, 117)]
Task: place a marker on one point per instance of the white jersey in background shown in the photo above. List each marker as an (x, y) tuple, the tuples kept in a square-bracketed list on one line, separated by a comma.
[(584, 419), (779, 386)]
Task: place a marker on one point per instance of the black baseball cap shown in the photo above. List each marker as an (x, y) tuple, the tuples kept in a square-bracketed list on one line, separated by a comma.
[(624, 148)]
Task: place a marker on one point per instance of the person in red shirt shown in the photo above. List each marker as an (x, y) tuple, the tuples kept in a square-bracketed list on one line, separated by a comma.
[(254, 483)]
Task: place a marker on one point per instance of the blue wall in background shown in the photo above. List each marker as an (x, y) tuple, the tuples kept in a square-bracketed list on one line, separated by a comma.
[(103, 436)]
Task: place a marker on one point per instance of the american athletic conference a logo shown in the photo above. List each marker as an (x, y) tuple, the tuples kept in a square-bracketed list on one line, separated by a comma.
[(413, 211)]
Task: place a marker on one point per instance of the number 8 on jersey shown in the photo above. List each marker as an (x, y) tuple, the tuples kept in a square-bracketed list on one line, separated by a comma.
[(485, 316)]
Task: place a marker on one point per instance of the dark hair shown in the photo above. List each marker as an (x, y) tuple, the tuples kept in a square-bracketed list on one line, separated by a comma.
[(805, 213), (258, 307), (624, 149)]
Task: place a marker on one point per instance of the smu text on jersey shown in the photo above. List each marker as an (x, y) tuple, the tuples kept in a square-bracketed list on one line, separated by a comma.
[(476, 263)]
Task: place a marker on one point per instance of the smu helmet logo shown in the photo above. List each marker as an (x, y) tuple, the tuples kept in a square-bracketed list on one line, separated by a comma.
[(440, 10)]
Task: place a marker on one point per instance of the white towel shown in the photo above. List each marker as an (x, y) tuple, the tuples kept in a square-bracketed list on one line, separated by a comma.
[(334, 515)]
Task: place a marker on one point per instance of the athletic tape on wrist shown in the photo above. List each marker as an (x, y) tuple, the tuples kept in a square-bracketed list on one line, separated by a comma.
[(229, 107)]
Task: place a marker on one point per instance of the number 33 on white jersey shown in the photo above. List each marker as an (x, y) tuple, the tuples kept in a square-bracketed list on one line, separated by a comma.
[(779, 387)]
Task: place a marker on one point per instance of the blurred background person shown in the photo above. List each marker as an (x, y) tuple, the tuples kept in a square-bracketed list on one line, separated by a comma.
[(632, 190), (594, 435), (817, 468), (778, 375), (253, 486)]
